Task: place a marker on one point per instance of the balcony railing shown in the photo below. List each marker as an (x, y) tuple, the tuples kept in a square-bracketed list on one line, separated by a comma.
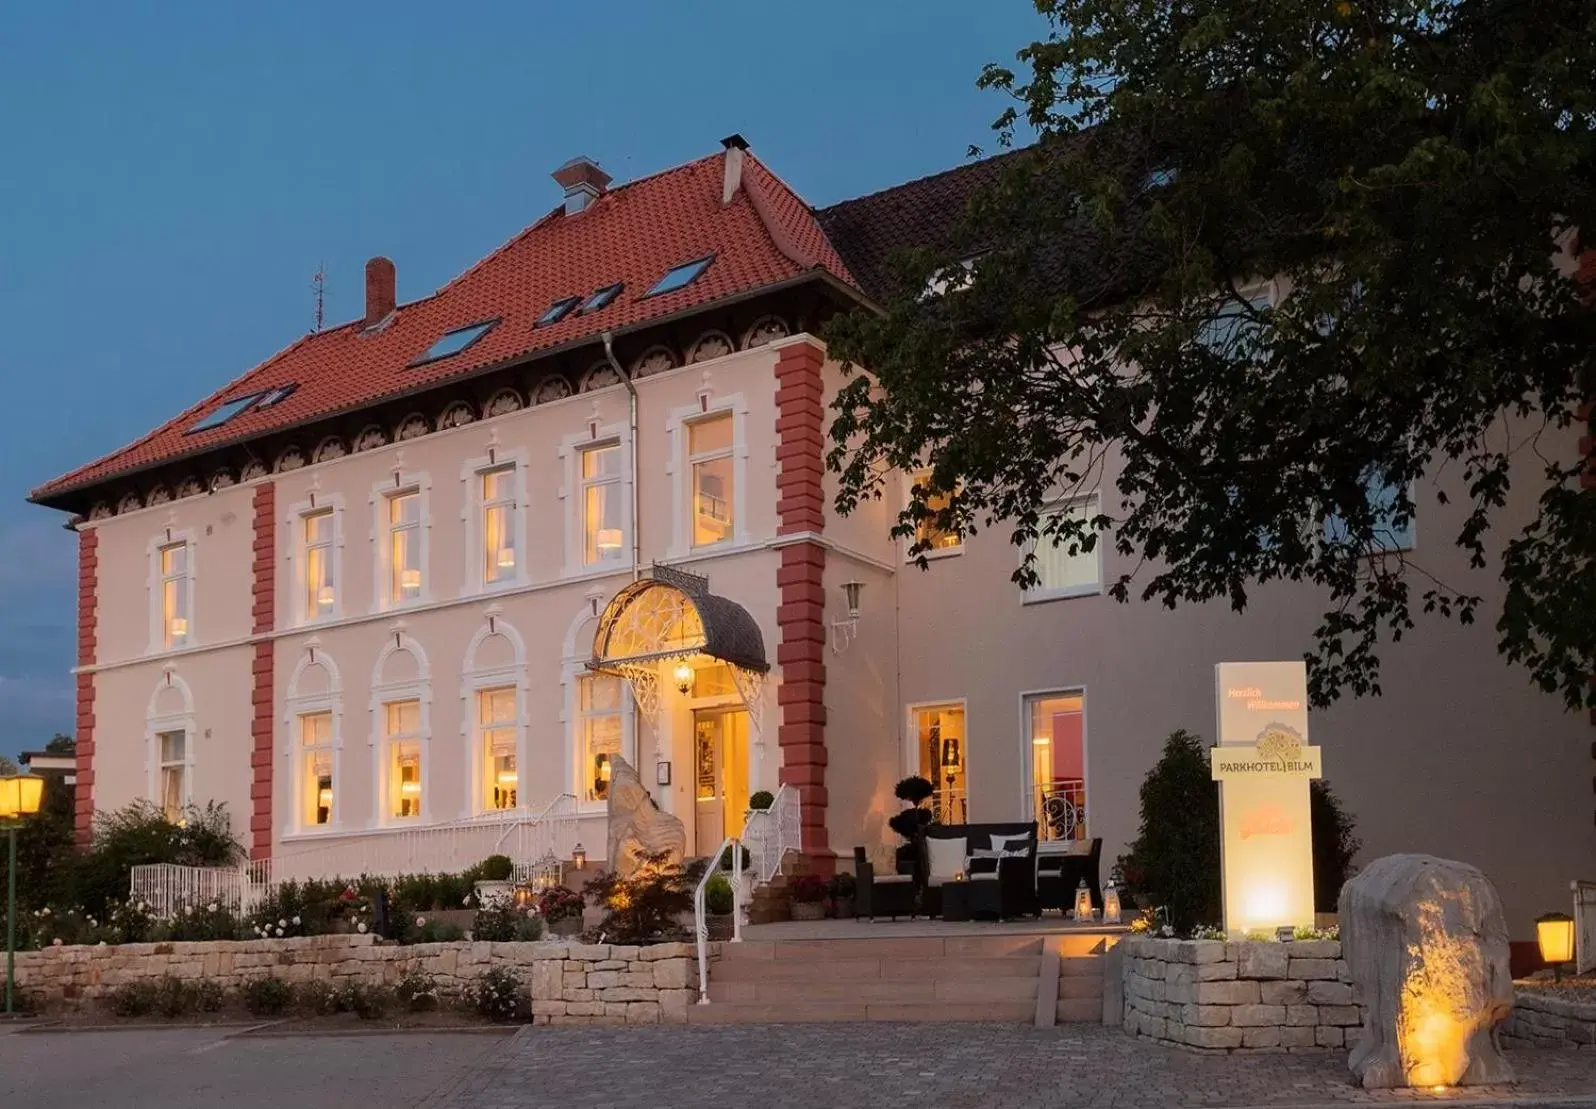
[(1061, 809)]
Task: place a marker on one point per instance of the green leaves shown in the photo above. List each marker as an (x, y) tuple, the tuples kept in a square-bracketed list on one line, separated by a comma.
[(1364, 202)]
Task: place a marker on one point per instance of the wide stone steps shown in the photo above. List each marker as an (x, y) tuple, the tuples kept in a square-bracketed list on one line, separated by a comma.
[(914, 978)]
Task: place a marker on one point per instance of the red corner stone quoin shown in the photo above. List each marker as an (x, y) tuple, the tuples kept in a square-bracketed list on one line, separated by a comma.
[(800, 509), (265, 604)]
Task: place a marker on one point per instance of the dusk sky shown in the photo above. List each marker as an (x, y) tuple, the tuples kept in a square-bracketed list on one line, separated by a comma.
[(175, 173)]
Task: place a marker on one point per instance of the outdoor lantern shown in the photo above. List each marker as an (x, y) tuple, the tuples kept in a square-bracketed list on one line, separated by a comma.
[(850, 590), (20, 795), (1555, 934), (524, 896), (410, 581), (1083, 902), (324, 596), (1110, 904), (608, 539), (579, 857), (684, 678), (507, 558)]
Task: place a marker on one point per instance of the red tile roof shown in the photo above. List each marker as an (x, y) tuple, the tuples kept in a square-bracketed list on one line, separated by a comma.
[(634, 233)]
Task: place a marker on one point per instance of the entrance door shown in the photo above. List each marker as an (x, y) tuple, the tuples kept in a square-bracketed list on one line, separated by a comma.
[(720, 775)]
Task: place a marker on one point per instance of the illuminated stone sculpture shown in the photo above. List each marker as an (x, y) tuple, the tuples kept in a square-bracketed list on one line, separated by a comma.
[(637, 827), (1427, 946)]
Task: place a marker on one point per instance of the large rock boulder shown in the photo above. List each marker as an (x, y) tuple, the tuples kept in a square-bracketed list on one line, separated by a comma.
[(638, 828), (1426, 942)]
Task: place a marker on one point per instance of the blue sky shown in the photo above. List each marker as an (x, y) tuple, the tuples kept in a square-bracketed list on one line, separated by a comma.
[(174, 174)]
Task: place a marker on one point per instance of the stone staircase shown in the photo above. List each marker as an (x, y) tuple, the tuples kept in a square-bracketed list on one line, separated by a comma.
[(1026, 978)]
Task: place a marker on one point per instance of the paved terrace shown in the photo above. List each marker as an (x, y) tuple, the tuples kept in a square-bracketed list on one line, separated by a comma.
[(927, 1066)]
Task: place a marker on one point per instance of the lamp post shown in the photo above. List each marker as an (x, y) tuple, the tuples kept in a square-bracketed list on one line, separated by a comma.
[(1554, 933), (19, 797)]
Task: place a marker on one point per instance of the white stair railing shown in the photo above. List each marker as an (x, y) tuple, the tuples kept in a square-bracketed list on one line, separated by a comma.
[(771, 833), (701, 925)]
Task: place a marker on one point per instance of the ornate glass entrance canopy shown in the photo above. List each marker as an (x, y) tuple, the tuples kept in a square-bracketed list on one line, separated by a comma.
[(670, 615)]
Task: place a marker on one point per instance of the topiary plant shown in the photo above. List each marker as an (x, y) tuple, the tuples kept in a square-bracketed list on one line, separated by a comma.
[(913, 789), (718, 899), (761, 799), (496, 868)]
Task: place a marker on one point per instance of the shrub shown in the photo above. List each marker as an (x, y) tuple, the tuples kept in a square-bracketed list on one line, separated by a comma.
[(1334, 845), (761, 799), (496, 868), (132, 999), (140, 833), (913, 789), (209, 997), (560, 903), (210, 921), (499, 996), (417, 992), (128, 923), (317, 997), (175, 997), (368, 1002), (504, 923), (843, 885), (644, 906), (267, 997), (437, 931), (910, 823), (266, 924), (743, 855), (808, 888), (1175, 859), (718, 898)]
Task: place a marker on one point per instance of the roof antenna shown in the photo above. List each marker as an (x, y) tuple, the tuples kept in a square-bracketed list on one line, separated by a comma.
[(318, 282)]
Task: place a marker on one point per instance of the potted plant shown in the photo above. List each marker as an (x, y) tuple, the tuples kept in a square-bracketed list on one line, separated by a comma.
[(719, 905), (809, 897), (842, 888), (911, 823), (760, 800), (493, 880), (562, 908)]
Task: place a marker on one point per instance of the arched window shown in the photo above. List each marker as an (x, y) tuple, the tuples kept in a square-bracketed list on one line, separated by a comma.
[(598, 712), (401, 730), (314, 746), (493, 724), (169, 744)]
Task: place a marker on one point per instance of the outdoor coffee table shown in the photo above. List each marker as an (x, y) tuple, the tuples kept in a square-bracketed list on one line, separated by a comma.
[(977, 896)]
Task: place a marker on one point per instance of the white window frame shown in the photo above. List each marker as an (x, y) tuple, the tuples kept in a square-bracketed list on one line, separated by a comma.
[(157, 724), (296, 706), (573, 491), (297, 557), (908, 542), (679, 465), (473, 518), (382, 542), (1041, 595), (1027, 784), (166, 539), (474, 680), (382, 695)]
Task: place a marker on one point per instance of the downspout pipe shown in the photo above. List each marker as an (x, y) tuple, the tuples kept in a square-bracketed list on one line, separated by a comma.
[(631, 389)]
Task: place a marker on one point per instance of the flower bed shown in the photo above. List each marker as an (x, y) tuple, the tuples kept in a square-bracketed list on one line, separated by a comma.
[(552, 983)]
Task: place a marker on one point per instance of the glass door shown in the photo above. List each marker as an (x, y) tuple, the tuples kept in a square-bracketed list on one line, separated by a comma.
[(1057, 741), (720, 775), (940, 739)]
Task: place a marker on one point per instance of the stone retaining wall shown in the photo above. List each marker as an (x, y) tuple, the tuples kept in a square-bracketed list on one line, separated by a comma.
[(570, 983), (1218, 996), (1549, 1020)]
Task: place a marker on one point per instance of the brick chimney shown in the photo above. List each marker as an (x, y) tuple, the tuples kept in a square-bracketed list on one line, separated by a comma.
[(583, 182), (732, 179), (381, 279)]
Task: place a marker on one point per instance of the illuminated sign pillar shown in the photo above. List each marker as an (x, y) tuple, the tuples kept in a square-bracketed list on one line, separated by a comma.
[(1263, 764)]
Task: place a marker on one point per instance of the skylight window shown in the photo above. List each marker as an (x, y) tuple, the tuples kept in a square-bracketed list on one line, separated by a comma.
[(557, 311), (453, 342), (680, 276), (277, 395), (602, 297), (224, 412)]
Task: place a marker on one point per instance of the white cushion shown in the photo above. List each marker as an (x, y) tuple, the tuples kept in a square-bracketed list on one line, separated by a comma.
[(883, 879), (1012, 845), (945, 856)]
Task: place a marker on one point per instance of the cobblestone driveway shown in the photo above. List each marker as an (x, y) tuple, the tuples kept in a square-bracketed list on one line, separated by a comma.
[(921, 1066)]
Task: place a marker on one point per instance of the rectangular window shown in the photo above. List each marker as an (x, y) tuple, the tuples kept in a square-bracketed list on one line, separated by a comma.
[(1063, 568), (709, 449), (173, 782), (404, 547), (174, 595), (496, 725), (602, 534), (1057, 742), (1389, 534), (939, 736), (498, 524), (599, 707), (928, 531), (318, 564), (402, 732), (316, 784)]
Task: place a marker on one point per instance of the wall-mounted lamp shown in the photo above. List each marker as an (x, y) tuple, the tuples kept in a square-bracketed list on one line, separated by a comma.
[(684, 678), (844, 631), (579, 857)]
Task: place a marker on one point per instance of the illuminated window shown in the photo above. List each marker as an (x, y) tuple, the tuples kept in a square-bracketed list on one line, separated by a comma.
[(709, 448), (603, 733), (319, 574), (176, 596), (316, 781), (939, 741), (404, 547), (603, 538), (1056, 739), (1064, 569), (172, 748), (497, 728), (498, 524), (928, 531), (402, 736)]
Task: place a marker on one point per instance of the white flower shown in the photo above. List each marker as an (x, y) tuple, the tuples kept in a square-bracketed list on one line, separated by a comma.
[(45, 910), (361, 928), (421, 922), (282, 923), (211, 907), (279, 931), (144, 906), (296, 920), (56, 942)]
